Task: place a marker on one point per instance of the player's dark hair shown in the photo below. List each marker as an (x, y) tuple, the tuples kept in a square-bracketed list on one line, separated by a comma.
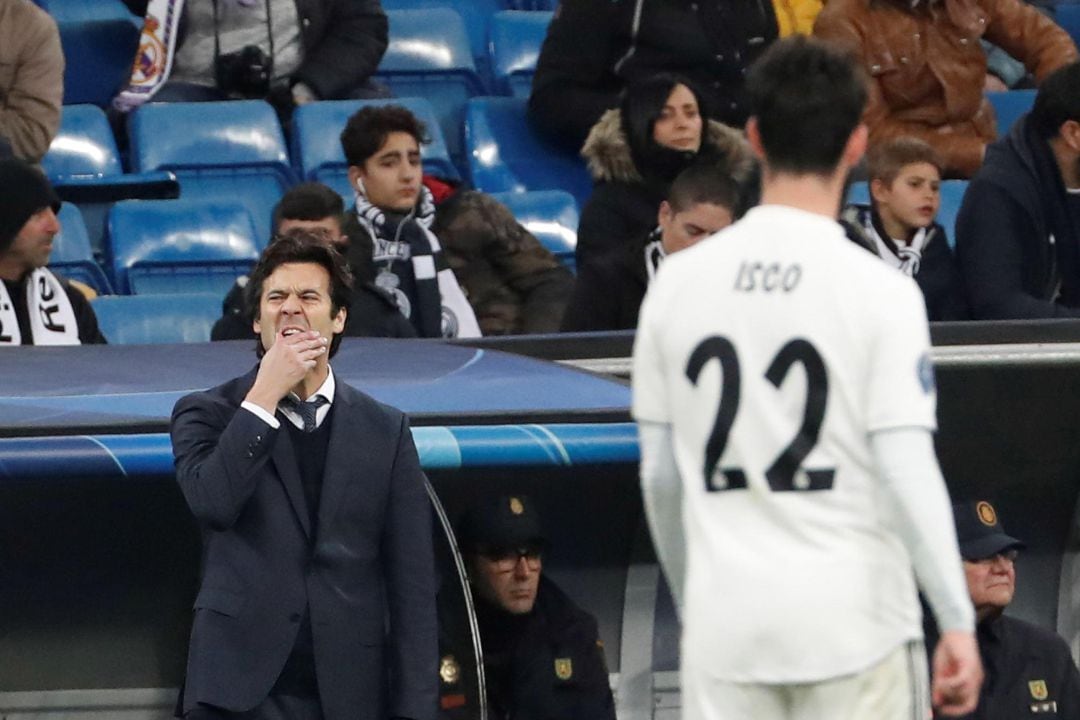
[(704, 182), (300, 245), (367, 130), (885, 160), (308, 201), (1057, 101), (807, 98)]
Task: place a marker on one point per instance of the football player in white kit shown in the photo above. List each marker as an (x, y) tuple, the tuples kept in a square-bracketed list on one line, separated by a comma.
[(786, 403)]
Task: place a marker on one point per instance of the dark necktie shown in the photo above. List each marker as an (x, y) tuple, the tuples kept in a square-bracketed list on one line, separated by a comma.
[(305, 409)]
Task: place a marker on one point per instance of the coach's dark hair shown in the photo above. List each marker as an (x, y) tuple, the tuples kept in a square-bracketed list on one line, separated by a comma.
[(1057, 101), (308, 201), (367, 130), (807, 98), (300, 245), (704, 182)]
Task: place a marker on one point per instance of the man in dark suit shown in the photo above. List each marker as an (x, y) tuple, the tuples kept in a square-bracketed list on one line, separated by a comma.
[(318, 596)]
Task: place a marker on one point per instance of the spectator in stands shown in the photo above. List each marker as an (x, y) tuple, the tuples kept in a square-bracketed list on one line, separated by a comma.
[(289, 52), (542, 653), (928, 69), (31, 79), (608, 293), (37, 307), (1016, 233), (1029, 670), (424, 237), (899, 223), (636, 151), (594, 48), (317, 208)]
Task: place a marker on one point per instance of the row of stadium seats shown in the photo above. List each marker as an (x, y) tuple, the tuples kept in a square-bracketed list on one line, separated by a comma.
[(238, 150), (475, 46)]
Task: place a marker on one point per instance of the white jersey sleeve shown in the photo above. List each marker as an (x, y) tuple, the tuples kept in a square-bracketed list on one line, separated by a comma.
[(901, 390)]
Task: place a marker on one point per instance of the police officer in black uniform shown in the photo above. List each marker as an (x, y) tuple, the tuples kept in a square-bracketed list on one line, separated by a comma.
[(1030, 672), (543, 659)]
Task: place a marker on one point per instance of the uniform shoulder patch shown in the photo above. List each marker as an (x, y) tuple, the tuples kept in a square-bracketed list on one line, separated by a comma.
[(564, 668)]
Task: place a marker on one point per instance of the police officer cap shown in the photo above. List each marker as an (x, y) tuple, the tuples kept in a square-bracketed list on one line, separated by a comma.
[(501, 523), (979, 531), (25, 191)]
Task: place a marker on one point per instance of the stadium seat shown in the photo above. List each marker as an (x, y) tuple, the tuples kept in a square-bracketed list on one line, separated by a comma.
[(516, 38), (475, 16), (99, 38), (83, 164), (170, 246), (71, 254), (157, 319), (429, 56), (952, 194), (1009, 106), (550, 215), (233, 149), (316, 147), (505, 155), (1067, 15)]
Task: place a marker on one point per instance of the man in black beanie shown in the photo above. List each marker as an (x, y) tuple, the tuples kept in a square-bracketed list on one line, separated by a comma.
[(542, 654), (37, 307)]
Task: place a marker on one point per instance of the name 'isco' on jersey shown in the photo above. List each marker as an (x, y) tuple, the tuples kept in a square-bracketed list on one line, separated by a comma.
[(773, 349)]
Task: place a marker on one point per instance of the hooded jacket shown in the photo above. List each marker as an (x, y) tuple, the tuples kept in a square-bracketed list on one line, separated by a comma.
[(625, 201), (1016, 238), (927, 66)]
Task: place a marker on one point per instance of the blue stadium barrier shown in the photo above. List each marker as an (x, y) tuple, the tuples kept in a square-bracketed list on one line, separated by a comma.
[(505, 155), (316, 146), (551, 216), (1009, 106), (170, 246), (233, 149), (1067, 15), (429, 56), (515, 40), (157, 319)]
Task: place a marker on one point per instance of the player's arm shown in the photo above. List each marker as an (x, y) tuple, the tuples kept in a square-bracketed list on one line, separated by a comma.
[(661, 490), (906, 463)]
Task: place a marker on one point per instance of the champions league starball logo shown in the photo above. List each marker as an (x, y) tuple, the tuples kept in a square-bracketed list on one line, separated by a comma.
[(450, 324), (926, 373)]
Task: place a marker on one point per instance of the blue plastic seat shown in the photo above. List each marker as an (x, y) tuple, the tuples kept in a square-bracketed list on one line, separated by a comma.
[(170, 246), (952, 194), (516, 37), (233, 149), (1009, 106), (429, 56), (157, 319), (551, 216), (99, 38), (317, 149), (71, 254), (1067, 15), (505, 155)]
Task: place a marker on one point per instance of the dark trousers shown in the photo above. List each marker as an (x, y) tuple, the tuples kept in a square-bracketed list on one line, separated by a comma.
[(275, 707)]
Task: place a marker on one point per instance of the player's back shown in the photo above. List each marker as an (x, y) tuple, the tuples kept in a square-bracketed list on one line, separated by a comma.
[(777, 347)]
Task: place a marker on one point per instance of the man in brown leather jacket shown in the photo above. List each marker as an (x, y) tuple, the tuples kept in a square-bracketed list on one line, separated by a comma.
[(927, 66)]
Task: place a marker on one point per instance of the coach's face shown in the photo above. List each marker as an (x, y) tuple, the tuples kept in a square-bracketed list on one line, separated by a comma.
[(296, 298), (991, 583)]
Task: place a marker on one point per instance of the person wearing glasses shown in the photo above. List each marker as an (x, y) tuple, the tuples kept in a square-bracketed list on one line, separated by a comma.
[(1029, 670), (543, 657)]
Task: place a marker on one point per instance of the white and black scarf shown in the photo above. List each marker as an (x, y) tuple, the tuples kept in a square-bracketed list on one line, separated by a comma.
[(409, 264), (906, 257), (52, 318), (154, 56), (654, 254)]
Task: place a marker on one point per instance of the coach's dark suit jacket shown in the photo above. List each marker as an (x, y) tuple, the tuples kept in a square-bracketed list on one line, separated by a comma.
[(366, 570)]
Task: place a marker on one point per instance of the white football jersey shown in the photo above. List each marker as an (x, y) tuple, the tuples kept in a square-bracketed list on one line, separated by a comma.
[(773, 349)]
